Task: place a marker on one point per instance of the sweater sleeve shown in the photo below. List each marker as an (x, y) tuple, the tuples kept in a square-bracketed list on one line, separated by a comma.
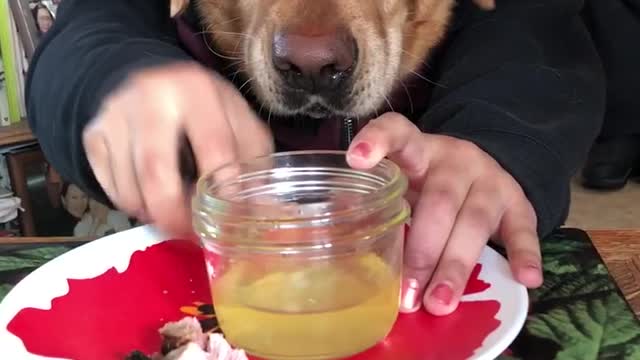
[(523, 83), (90, 50)]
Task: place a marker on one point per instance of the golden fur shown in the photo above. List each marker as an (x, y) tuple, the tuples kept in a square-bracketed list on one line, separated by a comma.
[(394, 38)]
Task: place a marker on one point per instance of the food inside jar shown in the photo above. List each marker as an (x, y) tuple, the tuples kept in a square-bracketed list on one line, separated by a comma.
[(317, 309)]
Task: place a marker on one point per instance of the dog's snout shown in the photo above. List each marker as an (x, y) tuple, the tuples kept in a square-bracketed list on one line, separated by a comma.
[(314, 63)]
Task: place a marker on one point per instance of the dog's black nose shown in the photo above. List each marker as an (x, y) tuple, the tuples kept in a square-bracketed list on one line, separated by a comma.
[(316, 63)]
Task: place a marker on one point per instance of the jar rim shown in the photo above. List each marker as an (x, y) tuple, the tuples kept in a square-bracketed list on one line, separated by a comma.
[(379, 192), (392, 187)]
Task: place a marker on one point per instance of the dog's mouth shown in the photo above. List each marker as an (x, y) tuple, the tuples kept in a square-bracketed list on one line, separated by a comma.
[(312, 106), (318, 110)]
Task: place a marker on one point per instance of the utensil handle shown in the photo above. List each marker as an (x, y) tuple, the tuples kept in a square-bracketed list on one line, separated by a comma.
[(187, 162)]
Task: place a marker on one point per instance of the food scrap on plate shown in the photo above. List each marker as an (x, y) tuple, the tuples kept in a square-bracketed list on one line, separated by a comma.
[(185, 340)]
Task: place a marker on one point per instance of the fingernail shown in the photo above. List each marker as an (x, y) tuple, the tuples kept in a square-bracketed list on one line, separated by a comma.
[(443, 294), (362, 150), (409, 296)]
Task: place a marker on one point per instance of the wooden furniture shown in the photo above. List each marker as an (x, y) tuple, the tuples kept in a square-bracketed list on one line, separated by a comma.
[(16, 134), (620, 250), (18, 163), (19, 240)]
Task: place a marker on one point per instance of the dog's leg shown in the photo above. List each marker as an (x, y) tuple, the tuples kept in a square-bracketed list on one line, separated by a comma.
[(178, 6)]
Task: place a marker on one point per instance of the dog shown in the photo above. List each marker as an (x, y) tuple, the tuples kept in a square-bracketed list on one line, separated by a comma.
[(329, 58)]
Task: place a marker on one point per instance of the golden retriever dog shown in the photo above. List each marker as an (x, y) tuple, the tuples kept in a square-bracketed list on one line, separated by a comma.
[(321, 58)]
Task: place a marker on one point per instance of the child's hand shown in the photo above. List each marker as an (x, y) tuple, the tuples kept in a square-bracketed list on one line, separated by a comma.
[(133, 143), (461, 197)]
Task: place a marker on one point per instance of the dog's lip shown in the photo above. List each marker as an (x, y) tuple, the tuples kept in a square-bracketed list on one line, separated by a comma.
[(318, 111)]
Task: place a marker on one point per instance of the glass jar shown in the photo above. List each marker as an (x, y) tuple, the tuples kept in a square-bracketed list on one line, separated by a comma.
[(304, 254)]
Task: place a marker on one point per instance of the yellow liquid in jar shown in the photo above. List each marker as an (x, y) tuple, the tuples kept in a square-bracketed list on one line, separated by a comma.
[(318, 310)]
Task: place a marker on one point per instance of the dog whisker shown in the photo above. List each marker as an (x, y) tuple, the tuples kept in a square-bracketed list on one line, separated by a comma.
[(227, 21), (241, 35), (406, 90), (206, 41), (220, 54), (245, 83), (269, 116), (421, 60), (428, 80), (247, 91), (389, 103), (235, 74), (238, 62)]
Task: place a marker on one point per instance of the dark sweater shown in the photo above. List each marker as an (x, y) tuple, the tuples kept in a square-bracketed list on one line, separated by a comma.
[(524, 83)]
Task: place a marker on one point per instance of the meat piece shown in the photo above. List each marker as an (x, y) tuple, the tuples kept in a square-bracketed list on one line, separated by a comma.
[(184, 340), (191, 351), (178, 334), (219, 349), (137, 355)]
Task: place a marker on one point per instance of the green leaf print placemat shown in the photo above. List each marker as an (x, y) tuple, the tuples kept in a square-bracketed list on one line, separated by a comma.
[(578, 313)]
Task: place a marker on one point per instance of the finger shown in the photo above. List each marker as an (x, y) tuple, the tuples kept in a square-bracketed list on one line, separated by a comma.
[(253, 143), (390, 135), (155, 157), (126, 190), (224, 134), (519, 235), (476, 221), (252, 135), (97, 151), (208, 129), (433, 220)]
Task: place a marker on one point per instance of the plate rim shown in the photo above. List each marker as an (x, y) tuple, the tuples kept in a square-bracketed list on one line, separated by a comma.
[(147, 236)]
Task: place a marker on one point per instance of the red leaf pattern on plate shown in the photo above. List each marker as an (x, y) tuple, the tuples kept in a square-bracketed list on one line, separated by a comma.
[(115, 313)]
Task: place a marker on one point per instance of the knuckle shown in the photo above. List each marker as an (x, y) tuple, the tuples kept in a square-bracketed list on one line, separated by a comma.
[(480, 217), (397, 122), (421, 263), (455, 269), (90, 136), (149, 163), (126, 204), (443, 201), (467, 150), (521, 239), (128, 198), (95, 149), (141, 81)]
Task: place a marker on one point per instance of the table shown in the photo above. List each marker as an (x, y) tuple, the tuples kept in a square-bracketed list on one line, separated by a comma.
[(620, 250), (15, 134), (578, 313)]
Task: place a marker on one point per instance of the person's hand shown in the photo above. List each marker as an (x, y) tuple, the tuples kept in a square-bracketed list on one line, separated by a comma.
[(133, 143), (461, 197)]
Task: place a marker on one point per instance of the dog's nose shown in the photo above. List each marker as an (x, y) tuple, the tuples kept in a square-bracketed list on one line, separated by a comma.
[(314, 63)]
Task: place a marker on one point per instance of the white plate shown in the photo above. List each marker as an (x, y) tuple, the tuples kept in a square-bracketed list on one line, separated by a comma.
[(93, 259)]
